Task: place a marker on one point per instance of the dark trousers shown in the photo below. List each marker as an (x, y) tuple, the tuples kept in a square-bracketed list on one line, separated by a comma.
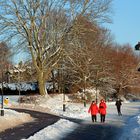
[(94, 118), (119, 110), (102, 118)]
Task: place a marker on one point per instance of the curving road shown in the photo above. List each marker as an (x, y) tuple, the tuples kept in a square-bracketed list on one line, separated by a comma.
[(25, 130), (85, 131)]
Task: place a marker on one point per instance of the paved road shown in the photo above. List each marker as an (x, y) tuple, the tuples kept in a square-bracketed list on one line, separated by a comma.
[(85, 131), (24, 131), (94, 131), (110, 130)]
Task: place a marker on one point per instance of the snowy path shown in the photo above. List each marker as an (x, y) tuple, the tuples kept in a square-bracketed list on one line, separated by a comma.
[(94, 132), (112, 129)]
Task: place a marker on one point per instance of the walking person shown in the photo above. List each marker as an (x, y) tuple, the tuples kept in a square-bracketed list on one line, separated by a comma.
[(102, 110), (93, 109), (118, 105)]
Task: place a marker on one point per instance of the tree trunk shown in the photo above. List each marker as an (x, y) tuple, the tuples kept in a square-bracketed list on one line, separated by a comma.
[(120, 89), (42, 83)]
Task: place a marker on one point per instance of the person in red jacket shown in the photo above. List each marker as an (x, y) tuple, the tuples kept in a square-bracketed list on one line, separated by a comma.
[(93, 109), (102, 110)]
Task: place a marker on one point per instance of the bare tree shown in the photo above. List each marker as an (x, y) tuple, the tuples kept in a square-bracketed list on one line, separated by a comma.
[(86, 61), (23, 72), (123, 65), (41, 26), (4, 61)]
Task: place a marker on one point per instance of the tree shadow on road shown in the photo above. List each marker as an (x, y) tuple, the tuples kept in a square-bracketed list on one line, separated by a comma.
[(93, 131)]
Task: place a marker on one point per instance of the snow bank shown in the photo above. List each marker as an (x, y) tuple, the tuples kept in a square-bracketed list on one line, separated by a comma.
[(12, 118), (132, 129), (55, 131), (73, 110)]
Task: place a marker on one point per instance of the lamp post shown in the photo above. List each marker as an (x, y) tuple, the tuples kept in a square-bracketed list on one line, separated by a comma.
[(63, 90), (85, 78), (8, 73), (61, 84), (64, 102), (2, 93), (96, 83), (2, 107), (96, 95), (19, 80), (137, 48)]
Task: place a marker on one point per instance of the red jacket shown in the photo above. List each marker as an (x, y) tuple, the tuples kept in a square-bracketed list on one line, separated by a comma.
[(102, 108), (93, 109)]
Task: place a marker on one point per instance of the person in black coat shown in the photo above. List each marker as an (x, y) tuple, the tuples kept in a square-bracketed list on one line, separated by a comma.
[(118, 105)]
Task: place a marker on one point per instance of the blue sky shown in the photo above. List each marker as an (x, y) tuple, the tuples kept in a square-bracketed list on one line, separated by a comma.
[(126, 21)]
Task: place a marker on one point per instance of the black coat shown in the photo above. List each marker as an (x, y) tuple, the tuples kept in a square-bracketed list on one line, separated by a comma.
[(118, 103)]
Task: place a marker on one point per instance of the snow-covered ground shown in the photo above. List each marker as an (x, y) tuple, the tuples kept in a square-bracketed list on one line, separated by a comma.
[(77, 110), (132, 129), (13, 118)]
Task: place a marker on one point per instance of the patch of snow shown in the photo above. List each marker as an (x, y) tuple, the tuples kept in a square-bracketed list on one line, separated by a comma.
[(132, 129), (55, 132), (12, 118)]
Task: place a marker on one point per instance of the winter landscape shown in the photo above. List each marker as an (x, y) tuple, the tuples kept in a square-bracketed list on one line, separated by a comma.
[(69, 70), (129, 122)]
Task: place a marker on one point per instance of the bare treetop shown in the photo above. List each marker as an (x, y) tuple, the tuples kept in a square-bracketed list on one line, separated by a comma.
[(40, 26)]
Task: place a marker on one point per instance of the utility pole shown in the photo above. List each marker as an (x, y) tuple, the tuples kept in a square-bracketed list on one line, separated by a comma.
[(85, 78)]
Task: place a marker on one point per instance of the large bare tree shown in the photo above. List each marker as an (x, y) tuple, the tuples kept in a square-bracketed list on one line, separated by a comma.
[(41, 26), (85, 61)]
